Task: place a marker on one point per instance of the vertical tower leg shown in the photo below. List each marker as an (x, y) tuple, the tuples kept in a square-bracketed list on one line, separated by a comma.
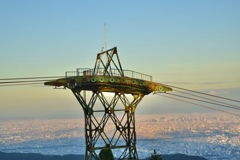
[(124, 136), (130, 151)]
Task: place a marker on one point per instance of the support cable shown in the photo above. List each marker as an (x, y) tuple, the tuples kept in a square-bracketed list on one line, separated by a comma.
[(25, 81), (7, 79), (10, 82), (237, 108), (203, 93), (194, 95), (20, 84), (235, 114)]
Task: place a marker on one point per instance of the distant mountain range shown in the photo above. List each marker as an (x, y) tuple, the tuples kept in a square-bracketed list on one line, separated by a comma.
[(35, 156)]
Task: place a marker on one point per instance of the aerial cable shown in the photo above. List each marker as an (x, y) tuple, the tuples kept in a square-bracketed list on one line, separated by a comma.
[(7, 79), (205, 98), (19, 84), (26, 80), (10, 82), (200, 105), (237, 108), (235, 114), (203, 93)]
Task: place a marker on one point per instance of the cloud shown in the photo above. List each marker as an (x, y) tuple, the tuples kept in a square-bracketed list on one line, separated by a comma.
[(209, 83), (177, 82), (217, 92), (201, 83), (213, 92)]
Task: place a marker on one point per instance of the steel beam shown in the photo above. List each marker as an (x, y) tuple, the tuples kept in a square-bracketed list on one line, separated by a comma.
[(124, 135)]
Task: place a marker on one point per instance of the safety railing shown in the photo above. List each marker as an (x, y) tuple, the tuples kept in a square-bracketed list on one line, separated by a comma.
[(111, 72), (137, 75)]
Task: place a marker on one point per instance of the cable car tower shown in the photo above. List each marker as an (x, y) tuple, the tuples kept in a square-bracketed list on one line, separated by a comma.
[(128, 89)]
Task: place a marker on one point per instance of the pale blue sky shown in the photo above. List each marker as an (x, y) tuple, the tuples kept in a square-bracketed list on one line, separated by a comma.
[(191, 44)]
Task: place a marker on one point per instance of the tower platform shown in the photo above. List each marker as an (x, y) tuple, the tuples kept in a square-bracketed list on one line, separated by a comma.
[(134, 83)]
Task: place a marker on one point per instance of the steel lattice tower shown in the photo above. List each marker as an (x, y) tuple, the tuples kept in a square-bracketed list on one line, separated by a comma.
[(108, 76)]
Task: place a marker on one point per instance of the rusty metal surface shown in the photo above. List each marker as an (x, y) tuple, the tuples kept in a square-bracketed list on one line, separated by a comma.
[(110, 84)]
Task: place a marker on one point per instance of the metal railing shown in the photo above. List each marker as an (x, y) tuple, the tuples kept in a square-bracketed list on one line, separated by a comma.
[(137, 75), (112, 72)]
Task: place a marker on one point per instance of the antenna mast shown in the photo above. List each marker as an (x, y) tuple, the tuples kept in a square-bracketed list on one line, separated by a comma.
[(105, 37)]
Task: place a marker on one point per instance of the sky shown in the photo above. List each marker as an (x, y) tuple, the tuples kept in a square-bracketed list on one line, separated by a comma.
[(190, 44)]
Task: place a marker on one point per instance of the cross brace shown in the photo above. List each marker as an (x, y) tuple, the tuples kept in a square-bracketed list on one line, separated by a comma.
[(97, 137)]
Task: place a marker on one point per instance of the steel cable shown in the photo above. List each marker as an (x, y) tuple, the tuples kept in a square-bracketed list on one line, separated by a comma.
[(6, 82), (237, 108), (203, 93), (199, 105), (194, 95)]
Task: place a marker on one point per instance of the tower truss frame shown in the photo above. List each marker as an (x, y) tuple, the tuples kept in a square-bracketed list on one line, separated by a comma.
[(108, 76)]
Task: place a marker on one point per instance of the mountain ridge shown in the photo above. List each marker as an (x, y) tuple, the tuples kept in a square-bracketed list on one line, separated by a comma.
[(37, 156)]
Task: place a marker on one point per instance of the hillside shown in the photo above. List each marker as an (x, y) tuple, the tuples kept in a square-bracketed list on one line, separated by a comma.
[(35, 156)]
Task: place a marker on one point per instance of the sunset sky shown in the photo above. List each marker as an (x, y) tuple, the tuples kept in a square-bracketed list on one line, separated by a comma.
[(190, 44)]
